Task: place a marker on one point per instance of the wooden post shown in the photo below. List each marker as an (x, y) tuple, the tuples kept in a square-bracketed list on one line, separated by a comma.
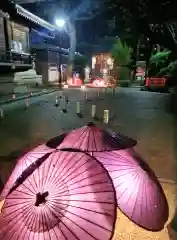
[(106, 116), (93, 113)]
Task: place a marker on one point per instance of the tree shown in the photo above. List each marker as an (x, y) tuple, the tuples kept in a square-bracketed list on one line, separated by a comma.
[(141, 18), (121, 53), (158, 61)]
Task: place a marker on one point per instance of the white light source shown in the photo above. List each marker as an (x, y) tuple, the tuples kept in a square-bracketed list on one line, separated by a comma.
[(105, 70), (60, 22), (87, 70)]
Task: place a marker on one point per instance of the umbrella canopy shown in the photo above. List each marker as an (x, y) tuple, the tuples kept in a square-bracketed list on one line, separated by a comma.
[(60, 196), (93, 139), (139, 195), (23, 162)]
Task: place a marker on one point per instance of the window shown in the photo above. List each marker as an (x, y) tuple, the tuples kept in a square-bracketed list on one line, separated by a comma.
[(19, 43)]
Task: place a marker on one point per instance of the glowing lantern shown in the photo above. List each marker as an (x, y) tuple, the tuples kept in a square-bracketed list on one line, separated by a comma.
[(93, 62)]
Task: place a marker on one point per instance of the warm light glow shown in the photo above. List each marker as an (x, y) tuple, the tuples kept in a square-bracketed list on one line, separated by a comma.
[(109, 61), (1, 205), (87, 69), (65, 86), (93, 62), (105, 70), (60, 22)]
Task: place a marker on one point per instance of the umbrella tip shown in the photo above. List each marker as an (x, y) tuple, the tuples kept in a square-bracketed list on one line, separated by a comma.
[(90, 124)]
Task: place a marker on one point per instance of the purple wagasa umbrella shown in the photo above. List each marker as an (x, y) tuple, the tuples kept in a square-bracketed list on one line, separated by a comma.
[(22, 163), (60, 196), (93, 139), (139, 195)]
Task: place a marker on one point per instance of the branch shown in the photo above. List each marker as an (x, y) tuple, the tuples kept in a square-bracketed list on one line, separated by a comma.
[(172, 31), (89, 17)]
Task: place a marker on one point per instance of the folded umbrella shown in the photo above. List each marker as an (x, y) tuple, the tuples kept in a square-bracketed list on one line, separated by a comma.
[(93, 139), (60, 196), (139, 194), (22, 163)]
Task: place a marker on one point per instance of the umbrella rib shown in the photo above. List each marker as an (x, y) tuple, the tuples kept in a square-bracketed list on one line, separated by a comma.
[(89, 210), (89, 201), (13, 205), (87, 185), (93, 142), (26, 173), (15, 218), (53, 212), (140, 180), (32, 219), (133, 177), (143, 203), (83, 219), (56, 224), (45, 216), (84, 193), (142, 188), (75, 224), (81, 138), (85, 171), (71, 167), (17, 209), (23, 192), (123, 174), (43, 174)]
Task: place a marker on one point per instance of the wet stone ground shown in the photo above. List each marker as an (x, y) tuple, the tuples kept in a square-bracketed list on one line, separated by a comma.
[(145, 116)]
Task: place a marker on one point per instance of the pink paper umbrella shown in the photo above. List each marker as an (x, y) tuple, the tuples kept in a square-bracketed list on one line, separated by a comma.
[(93, 139), (139, 195), (60, 196), (23, 162)]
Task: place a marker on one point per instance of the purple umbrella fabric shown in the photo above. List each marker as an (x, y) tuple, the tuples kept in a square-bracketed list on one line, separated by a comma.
[(139, 195), (22, 163), (90, 138), (66, 196)]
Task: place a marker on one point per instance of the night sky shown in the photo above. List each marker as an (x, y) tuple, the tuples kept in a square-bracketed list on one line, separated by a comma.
[(87, 30)]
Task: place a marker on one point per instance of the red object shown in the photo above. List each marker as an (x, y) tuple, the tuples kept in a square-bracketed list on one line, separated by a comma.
[(91, 138), (139, 195), (66, 196), (155, 82), (140, 71), (25, 161), (75, 81), (99, 82)]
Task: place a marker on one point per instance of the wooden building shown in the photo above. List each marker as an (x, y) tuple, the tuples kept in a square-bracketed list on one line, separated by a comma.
[(17, 49)]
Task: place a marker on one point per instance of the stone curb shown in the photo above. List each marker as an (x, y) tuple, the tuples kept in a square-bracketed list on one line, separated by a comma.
[(25, 96)]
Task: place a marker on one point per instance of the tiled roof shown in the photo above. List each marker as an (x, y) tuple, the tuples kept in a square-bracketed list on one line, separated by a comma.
[(32, 17)]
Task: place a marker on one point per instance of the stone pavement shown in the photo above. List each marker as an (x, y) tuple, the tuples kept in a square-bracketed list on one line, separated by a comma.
[(141, 115)]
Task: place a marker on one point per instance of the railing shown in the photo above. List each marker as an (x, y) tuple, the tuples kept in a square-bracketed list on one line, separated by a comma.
[(15, 58)]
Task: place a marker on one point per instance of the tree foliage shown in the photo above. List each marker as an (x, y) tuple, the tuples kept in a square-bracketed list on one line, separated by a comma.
[(142, 17), (159, 61), (160, 58), (121, 53)]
